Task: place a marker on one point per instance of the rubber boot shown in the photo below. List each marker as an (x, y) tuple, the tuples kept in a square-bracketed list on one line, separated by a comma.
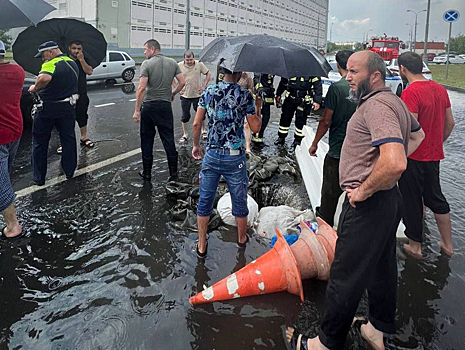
[(146, 173), (280, 141), (297, 141), (173, 168)]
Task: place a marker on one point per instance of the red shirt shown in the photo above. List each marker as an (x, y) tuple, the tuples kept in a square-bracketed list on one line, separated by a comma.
[(11, 87), (429, 100)]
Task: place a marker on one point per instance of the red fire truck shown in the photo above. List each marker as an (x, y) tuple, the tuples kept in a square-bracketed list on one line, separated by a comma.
[(387, 48)]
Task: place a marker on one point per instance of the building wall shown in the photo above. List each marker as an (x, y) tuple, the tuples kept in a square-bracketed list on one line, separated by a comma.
[(129, 23)]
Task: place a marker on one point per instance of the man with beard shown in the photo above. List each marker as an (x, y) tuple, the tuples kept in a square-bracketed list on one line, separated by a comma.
[(373, 157), (156, 76), (429, 103)]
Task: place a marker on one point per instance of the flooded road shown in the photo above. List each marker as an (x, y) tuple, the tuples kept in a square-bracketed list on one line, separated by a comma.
[(102, 267)]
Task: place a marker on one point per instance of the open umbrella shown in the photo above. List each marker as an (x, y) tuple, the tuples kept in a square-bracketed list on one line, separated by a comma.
[(22, 13), (265, 54), (63, 31)]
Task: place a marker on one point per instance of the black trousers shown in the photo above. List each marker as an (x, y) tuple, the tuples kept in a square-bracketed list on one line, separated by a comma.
[(41, 133), (330, 190), (365, 258), (266, 113), (302, 110), (82, 105), (186, 104), (157, 114), (419, 185)]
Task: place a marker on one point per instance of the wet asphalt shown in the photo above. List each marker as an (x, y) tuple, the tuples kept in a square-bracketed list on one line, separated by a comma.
[(103, 268)]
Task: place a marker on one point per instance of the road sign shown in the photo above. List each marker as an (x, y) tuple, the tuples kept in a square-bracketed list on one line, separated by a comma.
[(451, 16)]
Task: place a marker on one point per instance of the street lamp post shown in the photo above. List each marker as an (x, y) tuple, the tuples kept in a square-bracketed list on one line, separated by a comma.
[(416, 23), (425, 48), (331, 33), (367, 34), (410, 34)]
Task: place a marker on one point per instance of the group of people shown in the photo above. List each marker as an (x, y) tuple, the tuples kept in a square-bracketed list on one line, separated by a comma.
[(384, 154), (61, 100)]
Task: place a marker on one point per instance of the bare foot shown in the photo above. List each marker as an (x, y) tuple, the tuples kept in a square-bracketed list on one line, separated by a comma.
[(413, 251), (313, 343), (372, 336), (447, 249), (13, 232)]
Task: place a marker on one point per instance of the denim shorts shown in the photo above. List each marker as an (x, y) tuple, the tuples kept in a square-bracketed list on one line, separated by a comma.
[(7, 154), (217, 162)]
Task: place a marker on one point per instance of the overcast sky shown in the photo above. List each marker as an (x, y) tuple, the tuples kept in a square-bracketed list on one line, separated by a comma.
[(353, 18)]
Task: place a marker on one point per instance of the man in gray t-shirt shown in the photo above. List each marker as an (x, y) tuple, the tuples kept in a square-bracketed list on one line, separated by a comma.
[(156, 76)]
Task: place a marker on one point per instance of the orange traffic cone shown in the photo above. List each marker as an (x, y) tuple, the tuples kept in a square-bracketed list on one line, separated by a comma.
[(315, 252), (275, 271)]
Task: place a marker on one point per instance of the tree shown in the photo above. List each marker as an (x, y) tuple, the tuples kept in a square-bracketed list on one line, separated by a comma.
[(6, 39), (457, 44)]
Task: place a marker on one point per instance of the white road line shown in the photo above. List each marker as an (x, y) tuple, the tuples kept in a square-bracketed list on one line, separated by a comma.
[(133, 99), (59, 179), (105, 104)]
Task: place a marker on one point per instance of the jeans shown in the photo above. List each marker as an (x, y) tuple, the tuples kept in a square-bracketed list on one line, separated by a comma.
[(157, 114), (41, 132), (7, 155), (217, 162)]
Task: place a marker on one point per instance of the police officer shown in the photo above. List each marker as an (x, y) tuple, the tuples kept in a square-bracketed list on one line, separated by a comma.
[(264, 92), (301, 95), (57, 86)]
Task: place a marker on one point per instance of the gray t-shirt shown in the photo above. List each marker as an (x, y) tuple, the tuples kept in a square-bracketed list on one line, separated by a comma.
[(160, 71)]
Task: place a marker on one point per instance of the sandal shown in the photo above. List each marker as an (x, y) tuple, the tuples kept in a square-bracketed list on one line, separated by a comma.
[(204, 135), (183, 139), (243, 245), (199, 254), (87, 143), (5, 238), (60, 150), (299, 341)]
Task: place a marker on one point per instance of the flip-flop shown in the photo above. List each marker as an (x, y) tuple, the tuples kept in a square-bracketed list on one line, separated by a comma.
[(243, 245), (204, 135), (298, 341), (87, 143), (60, 150), (199, 254), (183, 139), (5, 238)]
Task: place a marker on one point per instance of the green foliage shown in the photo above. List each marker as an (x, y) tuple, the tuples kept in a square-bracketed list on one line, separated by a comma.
[(457, 44), (6, 39), (332, 47)]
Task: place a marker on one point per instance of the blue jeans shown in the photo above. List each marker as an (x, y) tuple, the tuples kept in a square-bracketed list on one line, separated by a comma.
[(7, 155), (217, 162)]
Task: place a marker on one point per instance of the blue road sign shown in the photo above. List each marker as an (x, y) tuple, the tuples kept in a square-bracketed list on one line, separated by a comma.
[(451, 16)]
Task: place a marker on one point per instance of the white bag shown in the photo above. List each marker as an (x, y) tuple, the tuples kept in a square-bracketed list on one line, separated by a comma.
[(283, 218), (225, 210)]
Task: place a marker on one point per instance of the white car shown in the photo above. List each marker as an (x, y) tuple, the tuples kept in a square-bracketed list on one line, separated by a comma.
[(393, 81), (117, 64), (393, 66), (452, 59)]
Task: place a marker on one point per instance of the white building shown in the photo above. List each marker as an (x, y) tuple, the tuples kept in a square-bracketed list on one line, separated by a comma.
[(129, 23)]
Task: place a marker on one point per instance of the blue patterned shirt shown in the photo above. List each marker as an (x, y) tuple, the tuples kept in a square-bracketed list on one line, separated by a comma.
[(227, 106)]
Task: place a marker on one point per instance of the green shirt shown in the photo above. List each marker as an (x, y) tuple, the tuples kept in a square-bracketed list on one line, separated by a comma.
[(336, 100), (160, 71)]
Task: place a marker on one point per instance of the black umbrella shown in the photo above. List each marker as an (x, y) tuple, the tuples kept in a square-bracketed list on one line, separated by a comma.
[(265, 54), (22, 13), (63, 31)]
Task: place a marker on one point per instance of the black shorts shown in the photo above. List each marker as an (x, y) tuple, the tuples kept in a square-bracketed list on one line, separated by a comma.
[(419, 185), (81, 110), (186, 104)]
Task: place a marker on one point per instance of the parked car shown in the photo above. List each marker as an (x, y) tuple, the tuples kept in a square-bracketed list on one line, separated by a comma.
[(463, 56), (26, 100), (393, 66), (393, 81), (453, 59), (117, 64), (430, 55)]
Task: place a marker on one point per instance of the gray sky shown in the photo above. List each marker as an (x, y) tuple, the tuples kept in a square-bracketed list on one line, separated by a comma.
[(353, 18)]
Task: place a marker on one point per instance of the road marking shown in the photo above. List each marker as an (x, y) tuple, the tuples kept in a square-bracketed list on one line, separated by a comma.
[(59, 179), (133, 99), (105, 104)]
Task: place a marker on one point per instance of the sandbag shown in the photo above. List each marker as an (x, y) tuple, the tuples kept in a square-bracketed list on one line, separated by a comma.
[(225, 210), (281, 217)]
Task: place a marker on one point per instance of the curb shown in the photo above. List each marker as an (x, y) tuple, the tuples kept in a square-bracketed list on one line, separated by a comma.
[(454, 88)]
